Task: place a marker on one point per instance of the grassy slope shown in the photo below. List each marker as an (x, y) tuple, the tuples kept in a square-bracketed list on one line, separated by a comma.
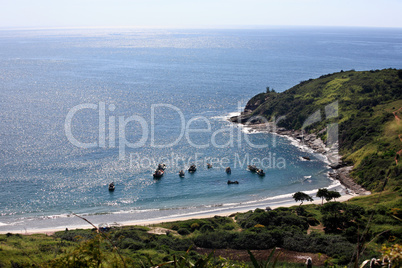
[(32, 249), (368, 130)]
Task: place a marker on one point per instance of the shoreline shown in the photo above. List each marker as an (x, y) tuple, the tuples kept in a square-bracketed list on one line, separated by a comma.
[(129, 218), (341, 172), (198, 215)]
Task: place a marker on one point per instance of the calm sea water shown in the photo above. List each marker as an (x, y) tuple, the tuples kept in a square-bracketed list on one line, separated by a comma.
[(144, 89)]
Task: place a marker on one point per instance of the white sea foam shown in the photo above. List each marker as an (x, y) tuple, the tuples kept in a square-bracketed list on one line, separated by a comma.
[(225, 117), (293, 141), (232, 114)]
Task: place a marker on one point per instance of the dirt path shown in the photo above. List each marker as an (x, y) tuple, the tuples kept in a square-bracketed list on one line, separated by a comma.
[(161, 231), (262, 255), (396, 116)]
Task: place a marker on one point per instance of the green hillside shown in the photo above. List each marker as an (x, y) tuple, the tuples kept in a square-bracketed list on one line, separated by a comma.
[(367, 117)]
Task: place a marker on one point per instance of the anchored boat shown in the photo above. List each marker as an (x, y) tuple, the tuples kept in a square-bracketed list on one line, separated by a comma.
[(111, 186), (252, 168), (228, 170), (158, 173), (192, 169)]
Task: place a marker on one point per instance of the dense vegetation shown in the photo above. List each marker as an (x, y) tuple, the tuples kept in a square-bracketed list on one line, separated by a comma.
[(368, 129), (333, 229)]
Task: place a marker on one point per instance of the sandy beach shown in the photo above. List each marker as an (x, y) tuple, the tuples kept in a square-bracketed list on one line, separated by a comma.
[(199, 215)]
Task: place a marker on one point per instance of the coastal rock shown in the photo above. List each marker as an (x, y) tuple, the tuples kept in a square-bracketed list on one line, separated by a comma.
[(340, 171), (342, 174), (336, 165), (310, 137), (286, 133), (242, 118)]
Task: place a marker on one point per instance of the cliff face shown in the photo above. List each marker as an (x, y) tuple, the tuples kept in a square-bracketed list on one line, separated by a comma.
[(363, 105)]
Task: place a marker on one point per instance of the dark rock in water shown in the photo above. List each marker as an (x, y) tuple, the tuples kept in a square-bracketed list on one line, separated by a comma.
[(306, 158), (243, 118), (240, 119)]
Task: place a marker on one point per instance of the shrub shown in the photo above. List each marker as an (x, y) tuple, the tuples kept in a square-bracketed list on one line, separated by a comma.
[(206, 228), (174, 243), (75, 235), (312, 221), (183, 231), (195, 226), (251, 240), (129, 243), (215, 240), (228, 227), (332, 245)]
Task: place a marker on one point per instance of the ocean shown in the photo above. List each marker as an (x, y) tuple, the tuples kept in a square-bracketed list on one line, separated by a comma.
[(81, 108)]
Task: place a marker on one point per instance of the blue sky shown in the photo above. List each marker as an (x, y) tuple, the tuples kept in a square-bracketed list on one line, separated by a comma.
[(199, 13)]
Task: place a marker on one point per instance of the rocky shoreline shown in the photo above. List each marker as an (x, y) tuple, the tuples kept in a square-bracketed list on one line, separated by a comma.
[(340, 172)]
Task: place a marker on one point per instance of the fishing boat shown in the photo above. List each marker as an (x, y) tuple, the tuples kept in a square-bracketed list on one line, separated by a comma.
[(181, 173), (228, 170), (192, 169), (161, 167), (111, 186), (261, 172), (158, 173), (252, 168), (233, 182)]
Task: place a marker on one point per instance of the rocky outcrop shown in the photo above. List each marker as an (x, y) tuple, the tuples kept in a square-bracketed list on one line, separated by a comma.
[(339, 169), (342, 174), (242, 118)]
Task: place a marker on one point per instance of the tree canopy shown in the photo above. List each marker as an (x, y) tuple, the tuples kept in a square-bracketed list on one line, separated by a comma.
[(300, 196), (323, 193)]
